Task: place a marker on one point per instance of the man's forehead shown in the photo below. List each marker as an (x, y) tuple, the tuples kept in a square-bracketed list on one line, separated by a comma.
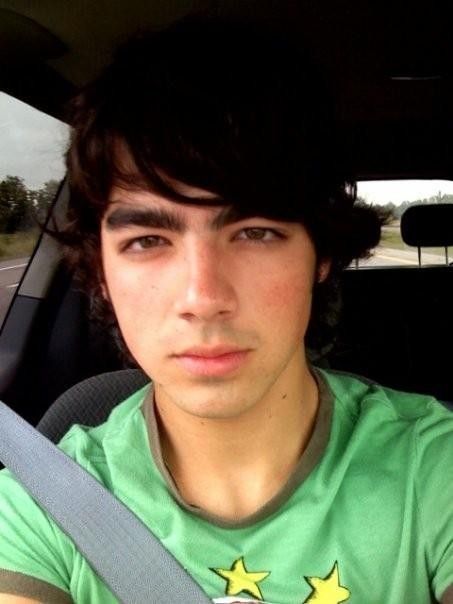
[(127, 167), (198, 200)]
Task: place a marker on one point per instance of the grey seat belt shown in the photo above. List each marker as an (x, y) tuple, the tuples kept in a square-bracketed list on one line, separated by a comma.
[(120, 548)]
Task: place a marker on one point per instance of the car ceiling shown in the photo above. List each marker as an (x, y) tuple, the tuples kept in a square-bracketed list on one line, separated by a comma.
[(390, 65)]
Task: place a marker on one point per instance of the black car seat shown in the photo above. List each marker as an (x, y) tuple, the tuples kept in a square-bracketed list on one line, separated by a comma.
[(90, 402)]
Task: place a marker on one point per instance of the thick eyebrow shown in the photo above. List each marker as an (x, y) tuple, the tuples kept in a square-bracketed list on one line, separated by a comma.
[(158, 218)]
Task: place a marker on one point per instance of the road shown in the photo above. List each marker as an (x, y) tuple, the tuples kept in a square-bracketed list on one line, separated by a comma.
[(394, 257), (10, 274)]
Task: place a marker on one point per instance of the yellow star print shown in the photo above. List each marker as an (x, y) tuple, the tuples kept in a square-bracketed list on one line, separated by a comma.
[(327, 590), (240, 579)]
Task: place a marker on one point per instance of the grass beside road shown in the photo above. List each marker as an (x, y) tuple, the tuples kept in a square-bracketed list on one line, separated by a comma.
[(16, 245), (391, 238)]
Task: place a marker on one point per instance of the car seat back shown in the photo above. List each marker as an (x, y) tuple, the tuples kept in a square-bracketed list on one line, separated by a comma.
[(90, 402)]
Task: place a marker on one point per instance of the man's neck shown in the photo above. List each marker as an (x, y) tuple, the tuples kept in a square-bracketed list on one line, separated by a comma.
[(232, 467)]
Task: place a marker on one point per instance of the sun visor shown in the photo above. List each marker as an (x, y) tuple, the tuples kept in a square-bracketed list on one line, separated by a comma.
[(428, 225), (24, 40)]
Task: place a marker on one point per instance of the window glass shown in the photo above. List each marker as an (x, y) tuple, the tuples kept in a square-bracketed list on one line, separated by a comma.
[(397, 196), (32, 146)]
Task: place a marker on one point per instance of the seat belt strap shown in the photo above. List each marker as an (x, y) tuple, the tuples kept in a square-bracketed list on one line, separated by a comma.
[(120, 548)]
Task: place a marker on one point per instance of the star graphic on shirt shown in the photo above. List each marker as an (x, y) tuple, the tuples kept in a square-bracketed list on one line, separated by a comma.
[(327, 590), (240, 579)]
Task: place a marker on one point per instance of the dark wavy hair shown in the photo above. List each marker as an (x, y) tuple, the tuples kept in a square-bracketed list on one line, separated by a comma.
[(224, 106)]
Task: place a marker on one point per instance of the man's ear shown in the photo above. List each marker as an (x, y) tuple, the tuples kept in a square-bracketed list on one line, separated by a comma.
[(323, 270), (105, 291)]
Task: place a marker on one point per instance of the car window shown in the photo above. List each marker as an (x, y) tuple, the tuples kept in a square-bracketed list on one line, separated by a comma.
[(32, 146), (396, 196)]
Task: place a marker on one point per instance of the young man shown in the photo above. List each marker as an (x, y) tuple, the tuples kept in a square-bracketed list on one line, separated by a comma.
[(210, 225)]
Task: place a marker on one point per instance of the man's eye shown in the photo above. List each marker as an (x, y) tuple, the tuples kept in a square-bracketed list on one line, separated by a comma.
[(259, 234), (143, 243)]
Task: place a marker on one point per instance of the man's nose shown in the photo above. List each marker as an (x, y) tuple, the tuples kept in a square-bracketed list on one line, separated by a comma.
[(206, 291)]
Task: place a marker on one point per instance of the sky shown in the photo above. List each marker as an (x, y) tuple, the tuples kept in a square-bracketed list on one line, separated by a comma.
[(397, 191), (32, 146)]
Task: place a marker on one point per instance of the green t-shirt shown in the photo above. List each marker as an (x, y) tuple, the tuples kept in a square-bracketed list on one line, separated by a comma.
[(366, 517)]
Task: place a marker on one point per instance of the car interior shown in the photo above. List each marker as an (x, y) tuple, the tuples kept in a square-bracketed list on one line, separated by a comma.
[(390, 69)]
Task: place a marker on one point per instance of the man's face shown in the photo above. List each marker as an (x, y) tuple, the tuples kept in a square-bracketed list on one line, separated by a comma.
[(214, 311)]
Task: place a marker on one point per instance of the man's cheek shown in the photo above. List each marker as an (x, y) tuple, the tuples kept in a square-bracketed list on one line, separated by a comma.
[(290, 297)]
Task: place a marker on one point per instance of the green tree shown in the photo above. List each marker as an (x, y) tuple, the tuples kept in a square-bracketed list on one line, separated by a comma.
[(15, 205), (42, 199), (391, 209)]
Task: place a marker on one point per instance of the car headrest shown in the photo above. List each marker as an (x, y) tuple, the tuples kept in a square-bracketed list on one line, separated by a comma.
[(428, 225)]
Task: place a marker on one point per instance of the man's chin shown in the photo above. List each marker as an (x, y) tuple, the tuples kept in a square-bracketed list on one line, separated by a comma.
[(200, 404)]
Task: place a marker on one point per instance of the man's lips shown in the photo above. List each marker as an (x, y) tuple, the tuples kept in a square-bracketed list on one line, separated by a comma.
[(217, 361), (209, 352)]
